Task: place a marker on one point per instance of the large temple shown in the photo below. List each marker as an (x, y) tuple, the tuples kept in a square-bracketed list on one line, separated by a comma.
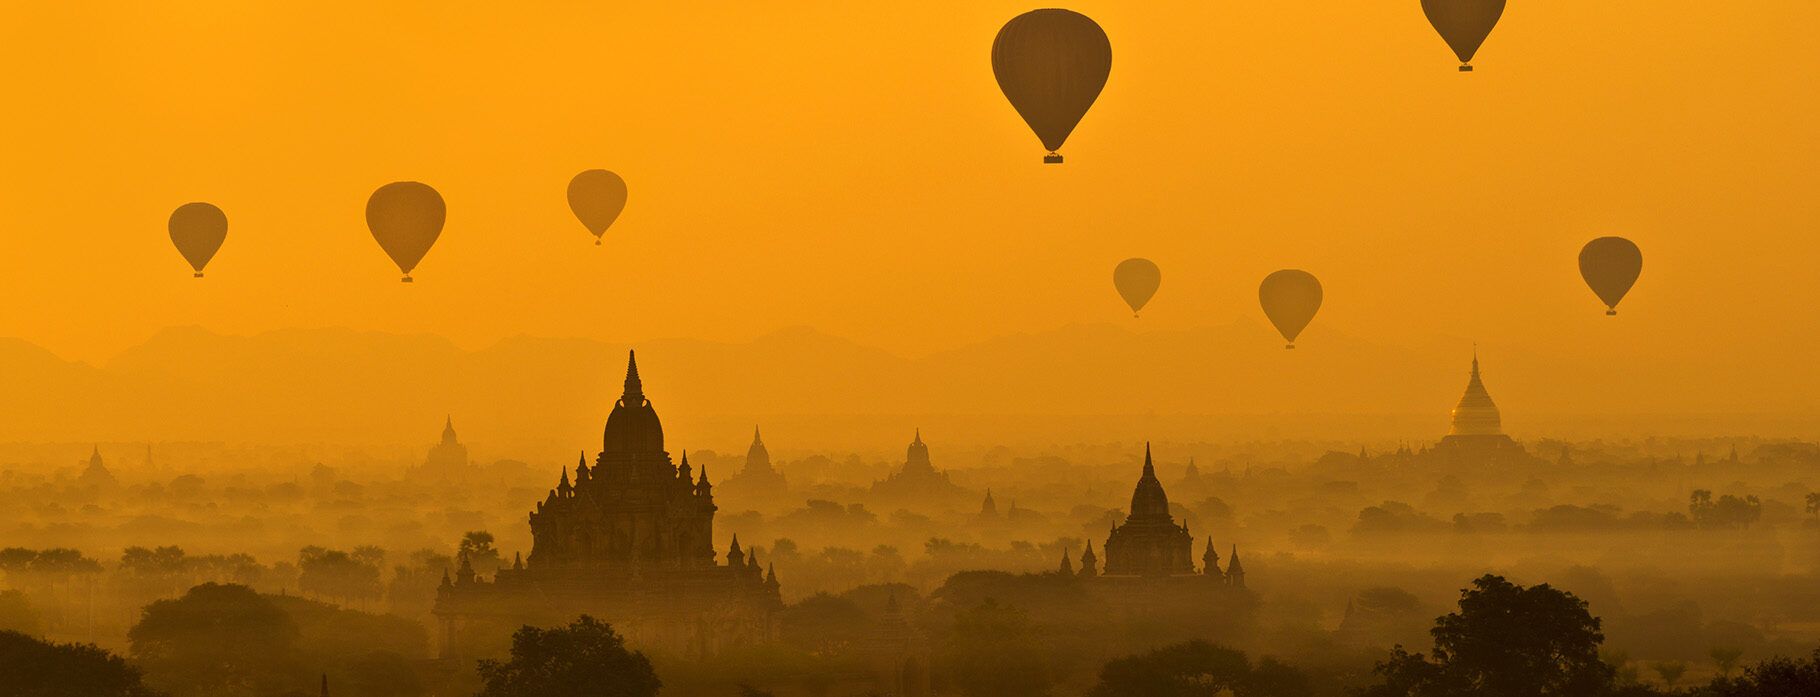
[(1151, 545), (1477, 435), (759, 478), (917, 479), (629, 541), (96, 473), (448, 457)]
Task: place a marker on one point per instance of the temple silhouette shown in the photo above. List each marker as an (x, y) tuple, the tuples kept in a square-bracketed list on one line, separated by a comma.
[(1151, 545), (917, 479), (1477, 436), (758, 478), (96, 474), (629, 541), (448, 457)]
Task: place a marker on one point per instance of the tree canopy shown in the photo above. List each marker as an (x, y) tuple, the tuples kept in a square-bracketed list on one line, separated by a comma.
[(585, 659), (215, 636), (32, 667), (992, 652), (1506, 640)]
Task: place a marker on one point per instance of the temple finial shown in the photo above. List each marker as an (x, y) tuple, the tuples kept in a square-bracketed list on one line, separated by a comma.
[(1149, 469), (635, 390)]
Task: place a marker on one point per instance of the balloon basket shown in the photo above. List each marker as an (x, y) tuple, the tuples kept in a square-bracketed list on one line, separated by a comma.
[(1465, 68), (406, 279), (1611, 313), (597, 243), (1052, 159), (198, 275), (1290, 346)]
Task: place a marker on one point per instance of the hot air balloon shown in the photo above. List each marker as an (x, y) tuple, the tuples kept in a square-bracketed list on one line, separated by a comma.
[(1137, 280), (1051, 64), (597, 196), (198, 230), (1610, 266), (1290, 298), (406, 218), (1464, 24)]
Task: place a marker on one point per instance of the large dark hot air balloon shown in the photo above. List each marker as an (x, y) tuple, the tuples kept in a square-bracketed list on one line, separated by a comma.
[(1290, 298), (1137, 281), (198, 230), (406, 218), (1051, 64), (1610, 266), (597, 197), (1464, 24)]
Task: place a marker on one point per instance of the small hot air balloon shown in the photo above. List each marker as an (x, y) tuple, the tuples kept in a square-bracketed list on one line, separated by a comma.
[(198, 230), (1290, 298), (406, 218), (597, 196), (1137, 281), (1610, 266), (1051, 64), (1464, 24)]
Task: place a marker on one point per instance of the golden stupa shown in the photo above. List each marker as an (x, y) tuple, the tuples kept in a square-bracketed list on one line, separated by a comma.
[(1475, 415), (1477, 436)]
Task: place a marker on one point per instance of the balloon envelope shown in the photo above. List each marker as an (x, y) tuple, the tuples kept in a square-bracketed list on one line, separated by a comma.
[(1137, 281), (1051, 64), (1610, 266), (406, 218), (1464, 24), (1290, 298), (597, 196), (198, 230)]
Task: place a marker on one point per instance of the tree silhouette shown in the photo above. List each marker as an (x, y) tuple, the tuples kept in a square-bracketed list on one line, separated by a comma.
[(336, 574), (1198, 669), (992, 653), (17, 615), (1725, 659), (1727, 512), (1505, 640), (1670, 671), (477, 546), (213, 637), (587, 658), (32, 667), (1776, 677)]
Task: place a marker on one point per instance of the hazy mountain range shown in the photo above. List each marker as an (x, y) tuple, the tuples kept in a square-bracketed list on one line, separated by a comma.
[(1080, 382)]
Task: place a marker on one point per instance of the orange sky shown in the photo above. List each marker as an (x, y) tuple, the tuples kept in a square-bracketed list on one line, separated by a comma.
[(853, 167)]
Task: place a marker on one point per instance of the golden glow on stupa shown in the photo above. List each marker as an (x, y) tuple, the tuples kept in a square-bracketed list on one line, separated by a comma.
[(1476, 415)]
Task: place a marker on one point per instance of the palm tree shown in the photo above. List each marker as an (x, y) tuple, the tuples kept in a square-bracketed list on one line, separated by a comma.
[(1725, 659), (1670, 671)]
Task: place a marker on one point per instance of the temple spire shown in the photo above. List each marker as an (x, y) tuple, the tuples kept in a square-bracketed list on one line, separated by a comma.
[(1149, 469), (635, 390)]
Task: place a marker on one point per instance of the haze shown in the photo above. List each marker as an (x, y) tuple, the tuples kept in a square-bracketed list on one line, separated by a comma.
[(846, 404), (1431, 204)]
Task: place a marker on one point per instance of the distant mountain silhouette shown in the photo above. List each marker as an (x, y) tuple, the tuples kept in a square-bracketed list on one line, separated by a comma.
[(340, 385)]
